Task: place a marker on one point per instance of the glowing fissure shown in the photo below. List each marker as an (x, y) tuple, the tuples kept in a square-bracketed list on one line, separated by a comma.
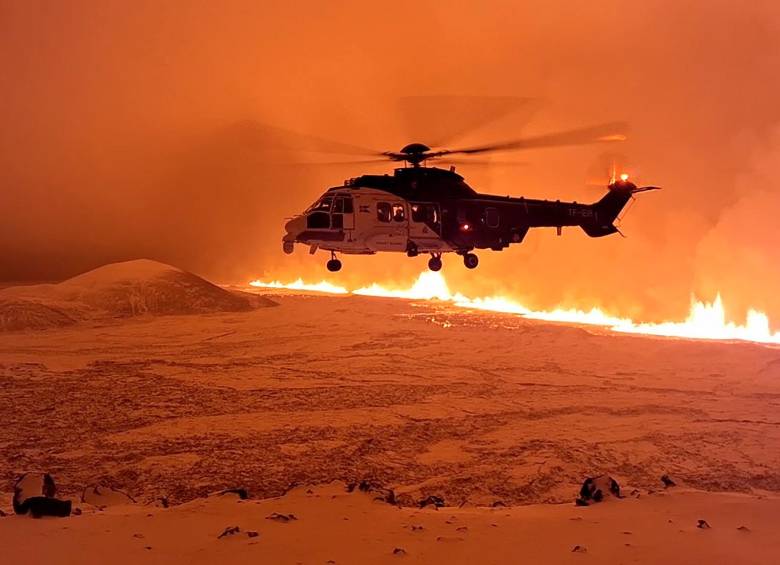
[(705, 320)]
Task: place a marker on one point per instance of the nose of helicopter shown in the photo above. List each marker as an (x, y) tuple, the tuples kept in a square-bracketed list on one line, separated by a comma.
[(293, 227)]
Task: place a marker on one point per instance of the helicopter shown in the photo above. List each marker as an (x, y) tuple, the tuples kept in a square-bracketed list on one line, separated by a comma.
[(422, 209)]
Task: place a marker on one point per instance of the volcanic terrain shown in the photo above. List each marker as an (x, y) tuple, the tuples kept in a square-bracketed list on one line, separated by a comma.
[(170, 388)]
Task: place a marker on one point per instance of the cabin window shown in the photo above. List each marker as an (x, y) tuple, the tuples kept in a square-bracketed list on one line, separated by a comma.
[(383, 211), (427, 214), (399, 214), (342, 205), (491, 217)]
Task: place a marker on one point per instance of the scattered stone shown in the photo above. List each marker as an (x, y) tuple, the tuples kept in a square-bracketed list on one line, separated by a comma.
[(399, 551), (579, 549), (417, 527), (139, 536), (667, 481), (164, 502), (580, 502), (252, 533), (743, 529), (99, 495), (498, 504), (381, 493), (34, 493), (148, 547), (431, 500), (448, 539), (242, 493), (284, 518), (627, 533), (77, 511), (594, 489), (229, 531), (462, 529), (703, 525), (3, 514)]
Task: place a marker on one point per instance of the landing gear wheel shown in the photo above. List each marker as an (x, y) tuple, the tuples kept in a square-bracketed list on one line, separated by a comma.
[(470, 260), (334, 265), (434, 263)]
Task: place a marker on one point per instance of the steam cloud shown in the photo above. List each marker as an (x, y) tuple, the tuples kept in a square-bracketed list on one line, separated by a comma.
[(127, 132)]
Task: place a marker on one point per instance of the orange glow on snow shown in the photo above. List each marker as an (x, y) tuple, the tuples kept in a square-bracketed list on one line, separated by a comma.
[(705, 320)]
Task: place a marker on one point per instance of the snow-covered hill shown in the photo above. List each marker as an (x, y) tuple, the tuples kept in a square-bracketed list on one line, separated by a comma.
[(118, 290)]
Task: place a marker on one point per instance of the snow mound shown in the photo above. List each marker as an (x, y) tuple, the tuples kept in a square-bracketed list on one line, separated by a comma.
[(119, 290), (141, 287)]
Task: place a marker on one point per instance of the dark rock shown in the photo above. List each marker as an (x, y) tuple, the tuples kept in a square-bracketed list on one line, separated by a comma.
[(498, 504), (703, 525), (399, 551), (743, 529), (252, 534), (284, 518), (34, 493), (39, 506), (581, 502), (383, 494), (241, 492), (229, 531), (667, 481), (431, 500), (77, 511), (594, 489), (579, 549), (104, 496)]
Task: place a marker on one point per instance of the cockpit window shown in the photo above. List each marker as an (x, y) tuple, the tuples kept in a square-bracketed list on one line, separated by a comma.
[(324, 204), (383, 211)]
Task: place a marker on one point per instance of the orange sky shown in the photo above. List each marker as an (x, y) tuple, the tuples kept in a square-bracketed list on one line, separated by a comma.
[(124, 134)]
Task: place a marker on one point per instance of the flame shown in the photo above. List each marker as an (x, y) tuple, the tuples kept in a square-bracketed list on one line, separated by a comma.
[(322, 286), (705, 320)]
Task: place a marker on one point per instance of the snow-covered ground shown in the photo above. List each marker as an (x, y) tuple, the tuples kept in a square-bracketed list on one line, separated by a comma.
[(475, 407)]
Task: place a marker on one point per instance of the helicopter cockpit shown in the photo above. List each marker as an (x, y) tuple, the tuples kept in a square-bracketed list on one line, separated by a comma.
[(328, 212)]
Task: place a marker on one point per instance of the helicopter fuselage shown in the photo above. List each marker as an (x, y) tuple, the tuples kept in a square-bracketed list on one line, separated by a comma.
[(431, 210)]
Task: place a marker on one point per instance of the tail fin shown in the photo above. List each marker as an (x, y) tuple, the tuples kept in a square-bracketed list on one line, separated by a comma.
[(608, 208)]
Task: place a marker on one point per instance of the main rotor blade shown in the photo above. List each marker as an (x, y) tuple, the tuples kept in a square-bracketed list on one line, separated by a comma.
[(439, 120), (274, 138), (334, 163), (481, 162), (614, 131)]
